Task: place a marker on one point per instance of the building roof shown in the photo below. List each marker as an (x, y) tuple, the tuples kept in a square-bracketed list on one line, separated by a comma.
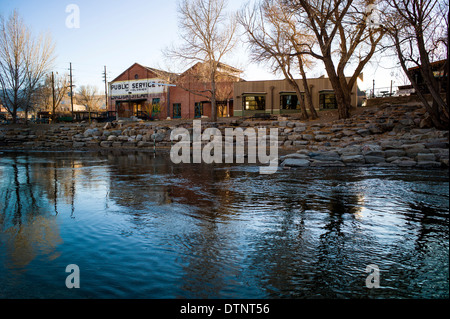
[(170, 76), (439, 63), (221, 66), (224, 69), (159, 73)]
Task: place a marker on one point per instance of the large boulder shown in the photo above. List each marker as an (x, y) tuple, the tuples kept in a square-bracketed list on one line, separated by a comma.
[(426, 122), (426, 157), (295, 162), (92, 132), (353, 159), (325, 156), (318, 163), (158, 137), (405, 162), (394, 152), (428, 164), (370, 159)]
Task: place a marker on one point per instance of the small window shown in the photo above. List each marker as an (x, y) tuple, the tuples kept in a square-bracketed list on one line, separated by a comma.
[(254, 102), (290, 101), (177, 110), (136, 76), (156, 105), (327, 100), (198, 110)]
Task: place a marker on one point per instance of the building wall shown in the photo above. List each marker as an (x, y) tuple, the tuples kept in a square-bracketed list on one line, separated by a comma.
[(193, 87), (188, 99), (142, 73), (183, 94), (273, 89)]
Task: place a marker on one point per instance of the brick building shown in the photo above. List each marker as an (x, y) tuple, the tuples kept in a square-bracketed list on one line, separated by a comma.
[(150, 93), (192, 93), (140, 91)]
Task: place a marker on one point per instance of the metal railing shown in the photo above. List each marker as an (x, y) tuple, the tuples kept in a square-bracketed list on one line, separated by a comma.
[(382, 92), (394, 90)]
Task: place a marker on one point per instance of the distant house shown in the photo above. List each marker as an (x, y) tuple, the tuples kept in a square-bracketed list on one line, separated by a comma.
[(2, 108), (79, 108), (4, 114), (440, 72), (3, 111)]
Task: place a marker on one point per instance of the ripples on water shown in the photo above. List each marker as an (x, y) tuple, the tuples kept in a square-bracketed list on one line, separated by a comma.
[(142, 227)]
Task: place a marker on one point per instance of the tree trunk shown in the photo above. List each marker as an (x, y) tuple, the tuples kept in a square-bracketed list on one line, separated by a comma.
[(431, 83), (431, 109), (213, 67), (341, 99), (213, 102), (213, 109), (446, 67), (14, 115), (303, 112), (308, 96), (291, 81), (343, 107)]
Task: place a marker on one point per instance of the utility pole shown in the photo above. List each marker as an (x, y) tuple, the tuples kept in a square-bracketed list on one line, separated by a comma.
[(71, 91), (54, 98), (106, 88)]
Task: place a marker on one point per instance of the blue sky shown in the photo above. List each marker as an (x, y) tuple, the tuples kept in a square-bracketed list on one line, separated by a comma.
[(118, 33)]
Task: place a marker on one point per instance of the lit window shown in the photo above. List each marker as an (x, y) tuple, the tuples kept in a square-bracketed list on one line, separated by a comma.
[(254, 102), (327, 100), (156, 105)]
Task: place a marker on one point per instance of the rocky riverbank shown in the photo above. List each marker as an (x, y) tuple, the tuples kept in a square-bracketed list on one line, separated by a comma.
[(388, 136), (383, 136)]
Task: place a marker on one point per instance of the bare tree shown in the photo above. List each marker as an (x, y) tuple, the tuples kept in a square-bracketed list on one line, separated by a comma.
[(24, 61), (274, 37), (344, 38), (207, 35), (88, 96), (418, 30), (44, 93)]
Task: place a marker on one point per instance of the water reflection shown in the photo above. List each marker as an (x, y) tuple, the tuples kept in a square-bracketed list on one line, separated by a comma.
[(205, 231), (28, 228)]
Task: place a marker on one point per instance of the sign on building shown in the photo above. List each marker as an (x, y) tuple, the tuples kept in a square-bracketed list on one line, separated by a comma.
[(133, 88)]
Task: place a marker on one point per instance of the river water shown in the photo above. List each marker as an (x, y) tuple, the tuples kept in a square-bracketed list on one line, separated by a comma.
[(138, 226)]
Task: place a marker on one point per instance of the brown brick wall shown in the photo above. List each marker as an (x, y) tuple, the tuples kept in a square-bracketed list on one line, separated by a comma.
[(176, 94)]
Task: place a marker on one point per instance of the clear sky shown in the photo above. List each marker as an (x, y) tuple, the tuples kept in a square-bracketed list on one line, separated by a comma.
[(118, 33)]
